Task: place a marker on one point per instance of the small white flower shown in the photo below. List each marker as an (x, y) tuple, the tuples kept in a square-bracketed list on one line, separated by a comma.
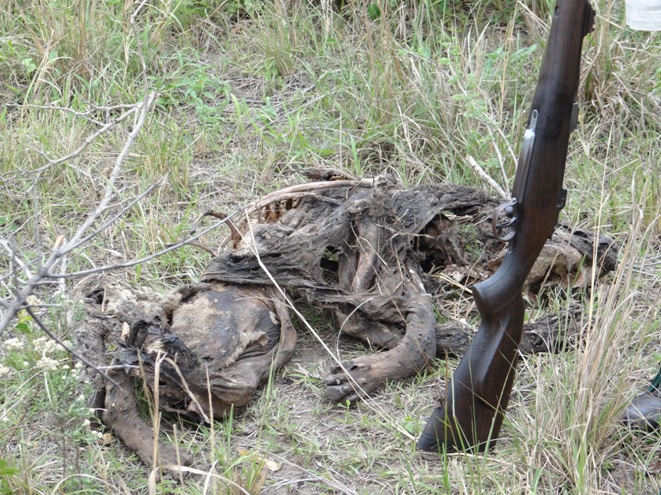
[(47, 364), (14, 343), (4, 370), (44, 345)]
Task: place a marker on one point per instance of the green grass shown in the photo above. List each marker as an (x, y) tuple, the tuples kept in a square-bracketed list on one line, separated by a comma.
[(248, 94)]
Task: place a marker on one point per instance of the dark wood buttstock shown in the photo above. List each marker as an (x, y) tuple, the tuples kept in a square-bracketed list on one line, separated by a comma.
[(477, 395)]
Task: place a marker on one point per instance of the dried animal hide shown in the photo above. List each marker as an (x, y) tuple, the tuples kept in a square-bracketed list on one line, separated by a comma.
[(380, 259), (204, 349)]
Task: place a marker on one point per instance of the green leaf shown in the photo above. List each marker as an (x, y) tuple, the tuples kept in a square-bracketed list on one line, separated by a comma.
[(373, 11), (6, 469), (29, 65), (23, 327)]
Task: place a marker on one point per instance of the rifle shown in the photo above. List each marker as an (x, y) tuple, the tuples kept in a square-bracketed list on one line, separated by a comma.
[(477, 394)]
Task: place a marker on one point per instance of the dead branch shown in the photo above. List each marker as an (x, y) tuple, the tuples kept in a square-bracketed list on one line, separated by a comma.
[(486, 177), (83, 234), (64, 346)]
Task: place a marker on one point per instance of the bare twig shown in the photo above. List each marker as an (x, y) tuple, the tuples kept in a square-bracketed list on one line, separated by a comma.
[(68, 247), (61, 343), (63, 274), (79, 238), (486, 177), (109, 190), (7, 245), (139, 261), (86, 114), (297, 191), (81, 235), (86, 143), (21, 297)]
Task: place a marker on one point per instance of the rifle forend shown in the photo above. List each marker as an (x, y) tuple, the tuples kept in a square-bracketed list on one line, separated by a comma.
[(477, 395)]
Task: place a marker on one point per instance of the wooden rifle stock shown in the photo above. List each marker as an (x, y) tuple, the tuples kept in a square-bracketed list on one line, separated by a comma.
[(477, 395)]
